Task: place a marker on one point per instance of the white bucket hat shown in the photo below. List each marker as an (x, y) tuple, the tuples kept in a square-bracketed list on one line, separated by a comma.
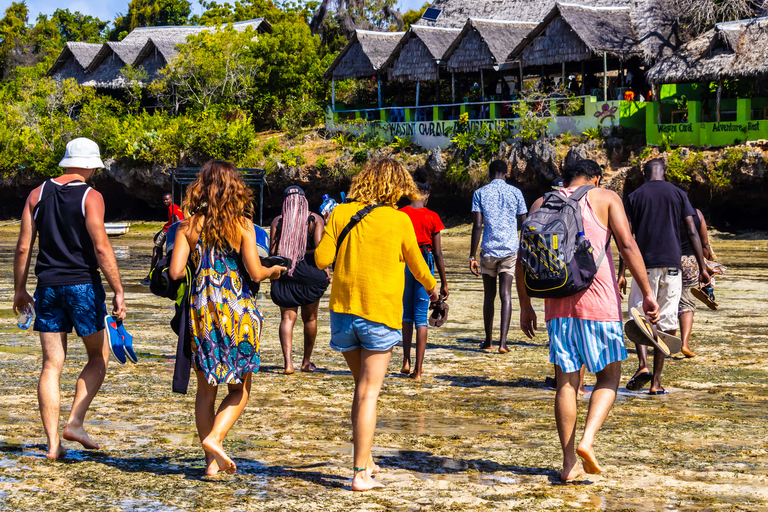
[(82, 153)]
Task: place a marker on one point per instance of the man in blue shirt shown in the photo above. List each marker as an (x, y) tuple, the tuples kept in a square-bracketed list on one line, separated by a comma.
[(497, 210)]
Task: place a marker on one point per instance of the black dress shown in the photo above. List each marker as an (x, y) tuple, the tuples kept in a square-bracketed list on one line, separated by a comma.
[(308, 283)]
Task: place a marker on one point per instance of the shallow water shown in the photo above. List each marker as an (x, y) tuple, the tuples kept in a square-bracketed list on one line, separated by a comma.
[(477, 434)]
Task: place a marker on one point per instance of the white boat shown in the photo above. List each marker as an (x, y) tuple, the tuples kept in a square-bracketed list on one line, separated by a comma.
[(117, 228)]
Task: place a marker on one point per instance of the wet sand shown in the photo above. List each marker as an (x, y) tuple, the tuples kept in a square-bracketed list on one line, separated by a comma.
[(477, 434)]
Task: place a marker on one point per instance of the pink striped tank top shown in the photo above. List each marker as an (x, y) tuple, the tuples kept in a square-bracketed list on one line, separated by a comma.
[(600, 302)]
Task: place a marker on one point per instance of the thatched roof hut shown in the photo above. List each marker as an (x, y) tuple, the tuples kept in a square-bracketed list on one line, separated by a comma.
[(652, 20), (364, 54), (419, 53), (573, 33), (156, 53), (737, 49), (484, 44), (104, 69), (142, 34), (73, 61)]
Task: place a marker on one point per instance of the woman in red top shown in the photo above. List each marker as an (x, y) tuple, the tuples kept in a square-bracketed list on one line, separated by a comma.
[(427, 225)]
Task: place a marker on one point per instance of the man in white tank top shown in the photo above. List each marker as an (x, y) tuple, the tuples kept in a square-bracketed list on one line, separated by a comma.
[(585, 328)]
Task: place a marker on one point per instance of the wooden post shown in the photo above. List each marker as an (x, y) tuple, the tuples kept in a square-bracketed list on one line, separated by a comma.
[(605, 76), (453, 88), (520, 67), (583, 91), (621, 72), (333, 94), (379, 91), (418, 86), (719, 93), (656, 90), (437, 92), (562, 79), (482, 85)]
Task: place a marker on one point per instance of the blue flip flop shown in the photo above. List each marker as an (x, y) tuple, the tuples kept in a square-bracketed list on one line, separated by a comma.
[(659, 392), (127, 343), (115, 339)]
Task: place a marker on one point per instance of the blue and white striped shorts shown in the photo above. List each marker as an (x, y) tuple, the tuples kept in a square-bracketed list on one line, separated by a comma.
[(573, 342)]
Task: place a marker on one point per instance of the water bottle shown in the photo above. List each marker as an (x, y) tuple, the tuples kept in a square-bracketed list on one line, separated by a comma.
[(328, 205), (26, 317)]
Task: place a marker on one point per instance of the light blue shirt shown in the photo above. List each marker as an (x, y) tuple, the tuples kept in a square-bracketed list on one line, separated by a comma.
[(500, 205)]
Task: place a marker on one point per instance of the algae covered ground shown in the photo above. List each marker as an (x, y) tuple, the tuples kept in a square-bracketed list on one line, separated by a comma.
[(477, 434)]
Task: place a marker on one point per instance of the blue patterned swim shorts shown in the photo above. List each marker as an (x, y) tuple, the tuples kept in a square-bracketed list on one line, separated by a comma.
[(59, 308), (573, 342)]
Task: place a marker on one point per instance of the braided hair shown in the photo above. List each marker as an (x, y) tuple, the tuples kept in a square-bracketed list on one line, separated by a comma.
[(293, 235)]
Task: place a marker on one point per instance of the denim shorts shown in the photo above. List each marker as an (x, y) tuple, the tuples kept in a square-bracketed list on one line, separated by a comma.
[(415, 297), (59, 308), (349, 332)]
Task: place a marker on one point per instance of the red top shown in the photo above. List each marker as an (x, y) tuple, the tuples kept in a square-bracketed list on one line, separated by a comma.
[(425, 222), (173, 210)]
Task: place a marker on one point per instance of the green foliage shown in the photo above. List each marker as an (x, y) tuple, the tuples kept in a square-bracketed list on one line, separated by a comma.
[(360, 156), (592, 134), (719, 177), (292, 158), (298, 113), (401, 143), (322, 164), (566, 139), (412, 16), (665, 142), (271, 146), (151, 13), (644, 154), (681, 171), (374, 142), (464, 139)]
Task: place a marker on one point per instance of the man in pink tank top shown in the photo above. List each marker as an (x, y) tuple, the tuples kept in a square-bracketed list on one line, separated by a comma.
[(585, 328)]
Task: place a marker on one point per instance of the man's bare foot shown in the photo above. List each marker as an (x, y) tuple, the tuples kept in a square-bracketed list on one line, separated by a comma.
[(78, 434), (289, 369), (416, 376), (572, 472), (406, 369), (308, 367), (56, 452), (503, 349), (211, 466), (582, 390), (687, 352), (215, 448), (363, 481), (486, 346), (639, 371), (588, 459)]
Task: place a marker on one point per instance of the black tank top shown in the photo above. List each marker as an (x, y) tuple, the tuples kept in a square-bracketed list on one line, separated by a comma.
[(66, 254), (685, 244)]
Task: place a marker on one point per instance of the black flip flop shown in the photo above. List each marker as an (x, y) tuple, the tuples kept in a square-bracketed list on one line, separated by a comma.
[(662, 391), (638, 382)]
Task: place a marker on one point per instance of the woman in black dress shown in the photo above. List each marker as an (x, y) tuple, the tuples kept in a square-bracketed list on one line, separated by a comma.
[(294, 235)]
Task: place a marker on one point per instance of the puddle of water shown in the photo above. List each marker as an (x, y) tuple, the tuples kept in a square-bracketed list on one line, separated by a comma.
[(425, 423)]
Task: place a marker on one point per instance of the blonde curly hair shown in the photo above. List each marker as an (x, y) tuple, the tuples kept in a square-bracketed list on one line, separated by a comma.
[(383, 181)]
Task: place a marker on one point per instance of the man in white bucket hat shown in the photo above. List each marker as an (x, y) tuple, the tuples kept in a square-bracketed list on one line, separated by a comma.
[(67, 216)]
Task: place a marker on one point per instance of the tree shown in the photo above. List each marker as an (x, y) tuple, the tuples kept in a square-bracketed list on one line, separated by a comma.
[(78, 26), (413, 16), (150, 13), (14, 35)]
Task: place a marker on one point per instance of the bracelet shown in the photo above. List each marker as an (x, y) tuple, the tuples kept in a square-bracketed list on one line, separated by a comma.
[(471, 258)]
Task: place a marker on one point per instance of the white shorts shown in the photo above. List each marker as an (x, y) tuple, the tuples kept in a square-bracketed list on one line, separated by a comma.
[(667, 285)]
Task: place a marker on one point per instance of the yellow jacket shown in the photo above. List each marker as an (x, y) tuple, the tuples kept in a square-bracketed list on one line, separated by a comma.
[(369, 275)]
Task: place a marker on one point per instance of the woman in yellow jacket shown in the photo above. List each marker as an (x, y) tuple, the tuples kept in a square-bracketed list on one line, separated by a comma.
[(367, 291)]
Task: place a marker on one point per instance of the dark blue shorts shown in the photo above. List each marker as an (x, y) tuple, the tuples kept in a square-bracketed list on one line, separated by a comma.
[(59, 308)]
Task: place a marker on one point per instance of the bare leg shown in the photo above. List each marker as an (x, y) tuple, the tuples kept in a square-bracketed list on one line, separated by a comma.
[(642, 359), (229, 411), (205, 401), (582, 388), (565, 417), (54, 346), (658, 366), (309, 317), (88, 385), (505, 294), (287, 321), (407, 338), (369, 369), (600, 403), (686, 326), (421, 349), (489, 300)]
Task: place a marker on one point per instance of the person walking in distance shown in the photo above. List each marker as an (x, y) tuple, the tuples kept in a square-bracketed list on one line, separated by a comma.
[(295, 234), (67, 218), (585, 328), (656, 211), (497, 210), (174, 215), (690, 269)]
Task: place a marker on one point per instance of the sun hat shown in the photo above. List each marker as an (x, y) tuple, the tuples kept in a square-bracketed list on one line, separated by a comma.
[(82, 153)]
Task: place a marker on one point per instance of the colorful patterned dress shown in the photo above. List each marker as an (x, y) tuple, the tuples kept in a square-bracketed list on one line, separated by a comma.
[(224, 322)]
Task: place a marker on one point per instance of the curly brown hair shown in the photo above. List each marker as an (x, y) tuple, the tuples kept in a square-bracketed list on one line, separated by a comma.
[(223, 199), (383, 181)]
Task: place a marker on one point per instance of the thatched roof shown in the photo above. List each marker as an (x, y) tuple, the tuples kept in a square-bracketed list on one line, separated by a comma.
[(73, 60), (483, 44), (737, 49), (364, 54), (86, 62), (572, 33), (651, 19), (156, 53), (419, 52)]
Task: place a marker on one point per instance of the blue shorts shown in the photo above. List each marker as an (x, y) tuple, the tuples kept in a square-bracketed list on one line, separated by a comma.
[(59, 308), (415, 297), (573, 342), (349, 332)]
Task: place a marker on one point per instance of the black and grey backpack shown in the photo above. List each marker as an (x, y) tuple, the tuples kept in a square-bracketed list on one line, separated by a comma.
[(556, 256)]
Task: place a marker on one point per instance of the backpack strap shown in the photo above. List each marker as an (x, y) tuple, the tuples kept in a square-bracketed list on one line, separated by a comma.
[(578, 194), (603, 253), (353, 222)]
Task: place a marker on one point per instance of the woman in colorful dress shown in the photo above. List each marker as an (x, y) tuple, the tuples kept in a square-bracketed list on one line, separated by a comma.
[(218, 241), (367, 291)]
